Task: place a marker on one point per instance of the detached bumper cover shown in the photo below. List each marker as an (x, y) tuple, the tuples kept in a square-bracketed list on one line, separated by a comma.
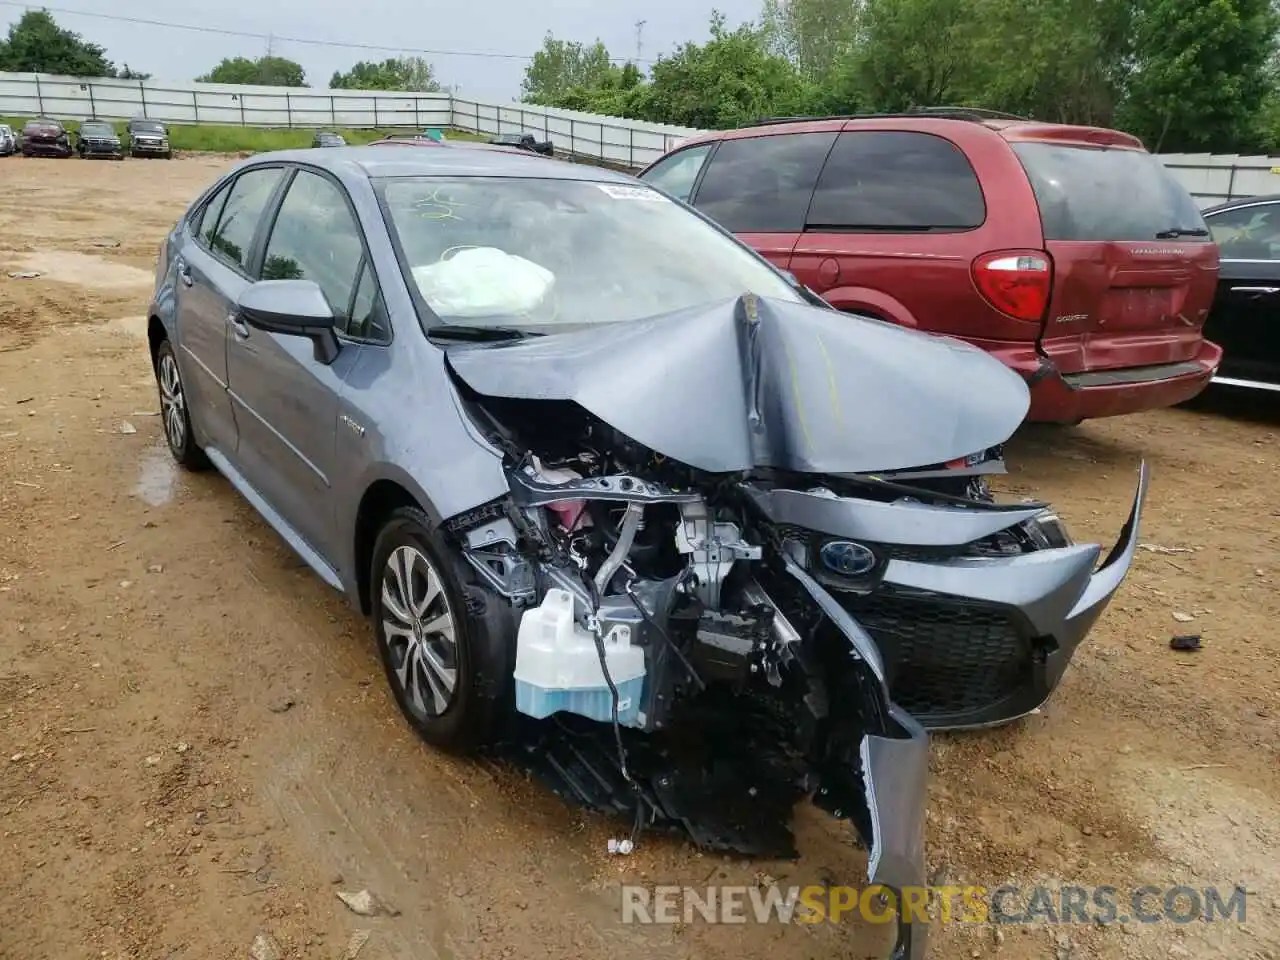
[(964, 640)]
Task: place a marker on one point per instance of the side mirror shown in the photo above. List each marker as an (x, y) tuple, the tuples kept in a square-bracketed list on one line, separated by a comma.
[(295, 308)]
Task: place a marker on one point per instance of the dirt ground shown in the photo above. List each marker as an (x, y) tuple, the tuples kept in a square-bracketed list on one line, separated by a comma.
[(197, 747)]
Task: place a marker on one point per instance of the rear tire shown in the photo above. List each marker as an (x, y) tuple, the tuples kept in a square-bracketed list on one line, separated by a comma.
[(447, 646), (175, 418)]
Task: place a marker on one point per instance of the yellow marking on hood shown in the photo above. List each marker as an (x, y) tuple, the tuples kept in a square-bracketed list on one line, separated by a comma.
[(832, 387), (795, 390)]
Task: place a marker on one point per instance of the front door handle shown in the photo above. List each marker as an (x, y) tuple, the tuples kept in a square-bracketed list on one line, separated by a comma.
[(239, 326), (184, 273)]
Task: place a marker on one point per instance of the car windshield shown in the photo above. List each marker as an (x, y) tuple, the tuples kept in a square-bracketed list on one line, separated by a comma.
[(137, 127), (532, 252), (42, 125), (97, 130)]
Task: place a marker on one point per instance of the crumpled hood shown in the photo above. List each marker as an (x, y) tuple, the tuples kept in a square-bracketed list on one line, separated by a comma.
[(752, 382)]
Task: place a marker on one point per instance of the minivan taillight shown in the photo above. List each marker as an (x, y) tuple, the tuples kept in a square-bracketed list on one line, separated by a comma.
[(1015, 282)]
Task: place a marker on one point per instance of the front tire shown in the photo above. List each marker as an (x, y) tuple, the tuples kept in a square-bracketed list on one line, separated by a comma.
[(446, 646), (175, 418)]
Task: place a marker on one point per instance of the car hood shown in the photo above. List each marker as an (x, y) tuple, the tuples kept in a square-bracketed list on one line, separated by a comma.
[(753, 382)]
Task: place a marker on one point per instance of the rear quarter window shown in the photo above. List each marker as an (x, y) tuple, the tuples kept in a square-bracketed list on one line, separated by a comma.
[(896, 181), (1093, 193), (763, 184)]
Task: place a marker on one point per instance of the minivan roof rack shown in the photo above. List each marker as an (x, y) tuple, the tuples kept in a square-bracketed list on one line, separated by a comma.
[(976, 114)]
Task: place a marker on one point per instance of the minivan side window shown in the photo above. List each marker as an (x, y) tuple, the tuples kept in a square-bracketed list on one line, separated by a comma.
[(676, 173), (763, 184), (885, 180)]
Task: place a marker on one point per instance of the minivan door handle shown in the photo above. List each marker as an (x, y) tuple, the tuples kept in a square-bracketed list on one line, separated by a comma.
[(1260, 291)]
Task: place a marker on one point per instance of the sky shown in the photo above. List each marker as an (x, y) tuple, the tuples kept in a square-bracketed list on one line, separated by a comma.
[(514, 27)]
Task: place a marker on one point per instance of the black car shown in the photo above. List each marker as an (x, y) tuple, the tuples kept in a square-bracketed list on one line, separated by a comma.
[(325, 138), (97, 138), (45, 137), (1245, 317), (524, 141), (148, 138)]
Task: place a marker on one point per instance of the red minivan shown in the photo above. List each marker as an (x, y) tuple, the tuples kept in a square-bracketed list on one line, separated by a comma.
[(1069, 252)]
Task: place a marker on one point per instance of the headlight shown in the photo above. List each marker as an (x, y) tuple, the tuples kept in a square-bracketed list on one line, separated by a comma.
[(1047, 531)]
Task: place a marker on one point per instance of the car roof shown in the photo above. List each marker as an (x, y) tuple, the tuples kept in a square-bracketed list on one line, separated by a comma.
[(1014, 130), (1241, 202), (449, 159)]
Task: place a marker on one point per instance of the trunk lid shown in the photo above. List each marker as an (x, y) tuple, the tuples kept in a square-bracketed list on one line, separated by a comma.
[(1134, 266)]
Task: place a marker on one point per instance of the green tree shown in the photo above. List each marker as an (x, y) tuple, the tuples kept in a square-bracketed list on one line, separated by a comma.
[(128, 73), (414, 74), (36, 44), (563, 65), (1201, 73), (730, 80), (818, 36), (265, 71)]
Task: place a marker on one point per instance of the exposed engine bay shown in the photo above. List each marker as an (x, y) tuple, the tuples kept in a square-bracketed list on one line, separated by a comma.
[(701, 646)]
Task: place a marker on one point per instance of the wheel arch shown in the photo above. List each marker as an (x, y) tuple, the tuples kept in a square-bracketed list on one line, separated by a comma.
[(381, 497), (156, 335)]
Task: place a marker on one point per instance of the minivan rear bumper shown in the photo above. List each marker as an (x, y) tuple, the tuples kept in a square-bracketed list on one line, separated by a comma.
[(1067, 398)]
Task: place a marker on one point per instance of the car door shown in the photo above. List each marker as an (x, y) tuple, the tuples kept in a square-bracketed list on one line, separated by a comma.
[(286, 401), (760, 187), (211, 270), (1245, 317)]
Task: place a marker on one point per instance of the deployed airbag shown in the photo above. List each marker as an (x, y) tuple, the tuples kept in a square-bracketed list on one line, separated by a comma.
[(483, 282)]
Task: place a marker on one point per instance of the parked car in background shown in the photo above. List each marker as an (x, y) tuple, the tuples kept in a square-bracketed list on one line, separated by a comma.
[(8, 141), (45, 137), (148, 138), (1068, 252), (1245, 319), (524, 141), (325, 138), (97, 138)]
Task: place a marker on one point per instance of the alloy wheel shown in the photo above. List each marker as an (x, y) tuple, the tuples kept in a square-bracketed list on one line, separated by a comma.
[(418, 625), (172, 403)]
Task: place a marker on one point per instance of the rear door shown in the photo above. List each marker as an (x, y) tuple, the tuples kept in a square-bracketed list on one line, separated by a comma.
[(1134, 265), (759, 188), (1245, 319)]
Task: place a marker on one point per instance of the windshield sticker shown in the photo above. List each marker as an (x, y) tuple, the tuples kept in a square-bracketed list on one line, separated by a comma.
[(621, 191)]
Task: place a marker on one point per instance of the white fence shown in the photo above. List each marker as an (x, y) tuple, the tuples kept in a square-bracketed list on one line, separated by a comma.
[(625, 142), (631, 143)]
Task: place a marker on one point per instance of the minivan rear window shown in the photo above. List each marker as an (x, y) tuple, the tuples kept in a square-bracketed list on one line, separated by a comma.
[(1091, 193)]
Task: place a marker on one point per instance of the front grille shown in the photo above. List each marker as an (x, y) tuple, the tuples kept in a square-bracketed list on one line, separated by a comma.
[(944, 660)]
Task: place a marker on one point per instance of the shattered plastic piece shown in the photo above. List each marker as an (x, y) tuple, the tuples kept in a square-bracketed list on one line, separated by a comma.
[(356, 944), (23, 275), (1186, 642), (1182, 617), (622, 847), (126, 427), (367, 904)]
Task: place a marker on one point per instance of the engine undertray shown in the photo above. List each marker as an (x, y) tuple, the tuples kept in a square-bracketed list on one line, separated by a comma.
[(725, 790)]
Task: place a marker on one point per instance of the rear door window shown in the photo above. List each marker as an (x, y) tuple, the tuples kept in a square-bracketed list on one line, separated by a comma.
[(676, 174), (896, 181), (763, 184), (1092, 193), (1247, 233)]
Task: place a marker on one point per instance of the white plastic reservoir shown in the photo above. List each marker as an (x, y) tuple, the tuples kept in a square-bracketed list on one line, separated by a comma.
[(558, 665)]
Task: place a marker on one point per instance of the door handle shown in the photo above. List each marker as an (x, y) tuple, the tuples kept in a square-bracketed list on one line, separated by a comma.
[(184, 273), (1256, 290), (239, 326)]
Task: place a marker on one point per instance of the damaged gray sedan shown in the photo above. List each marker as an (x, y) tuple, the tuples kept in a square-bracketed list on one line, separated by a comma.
[(624, 505)]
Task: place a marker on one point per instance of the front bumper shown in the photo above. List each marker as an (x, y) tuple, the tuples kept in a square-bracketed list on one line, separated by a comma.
[(964, 640), (160, 148), (107, 150), (46, 148)]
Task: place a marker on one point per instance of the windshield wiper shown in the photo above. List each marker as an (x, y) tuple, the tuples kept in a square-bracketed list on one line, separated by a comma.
[(478, 334), (1176, 232)]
